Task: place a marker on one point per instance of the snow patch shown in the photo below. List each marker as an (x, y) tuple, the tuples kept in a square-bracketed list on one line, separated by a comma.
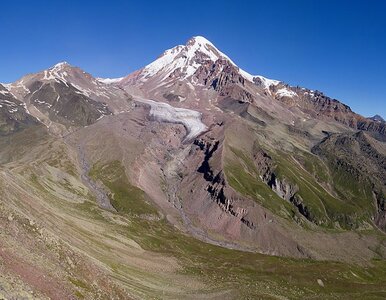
[(26, 108), (110, 80), (268, 82), (283, 92)]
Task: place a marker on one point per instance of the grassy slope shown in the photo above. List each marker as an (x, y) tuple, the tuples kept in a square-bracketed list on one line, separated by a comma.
[(243, 177), (125, 197), (327, 209), (108, 238), (250, 275), (345, 204)]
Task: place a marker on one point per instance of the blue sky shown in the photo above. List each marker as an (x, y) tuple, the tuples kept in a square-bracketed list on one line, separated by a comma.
[(338, 47)]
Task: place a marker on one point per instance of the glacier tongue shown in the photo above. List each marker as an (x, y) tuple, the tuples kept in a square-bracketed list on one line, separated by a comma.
[(164, 112)]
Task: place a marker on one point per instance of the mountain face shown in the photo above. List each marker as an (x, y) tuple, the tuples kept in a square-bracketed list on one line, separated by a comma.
[(67, 96), (153, 181), (13, 114), (75, 108)]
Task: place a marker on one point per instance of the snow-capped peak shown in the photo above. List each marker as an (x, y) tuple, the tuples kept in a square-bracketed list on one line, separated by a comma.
[(60, 65), (202, 45), (201, 40), (57, 72), (186, 59)]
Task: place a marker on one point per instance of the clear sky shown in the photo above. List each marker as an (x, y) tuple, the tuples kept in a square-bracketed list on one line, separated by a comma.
[(338, 47)]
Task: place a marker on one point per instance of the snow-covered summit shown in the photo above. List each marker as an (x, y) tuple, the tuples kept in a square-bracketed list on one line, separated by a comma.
[(186, 59), (66, 75), (58, 72), (63, 71), (60, 65)]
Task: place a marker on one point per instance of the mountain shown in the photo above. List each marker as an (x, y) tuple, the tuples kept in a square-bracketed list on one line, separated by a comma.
[(198, 74), (377, 118), (185, 61), (186, 179), (188, 72), (67, 95)]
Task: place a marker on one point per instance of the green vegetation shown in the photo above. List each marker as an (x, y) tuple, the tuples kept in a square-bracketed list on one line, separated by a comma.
[(244, 178), (78, 283), (254, 275), (251, 275), (238, 275), (350, 186), (313, 165), (324, 208), (125, 197), (58, 159), (351, 207)]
